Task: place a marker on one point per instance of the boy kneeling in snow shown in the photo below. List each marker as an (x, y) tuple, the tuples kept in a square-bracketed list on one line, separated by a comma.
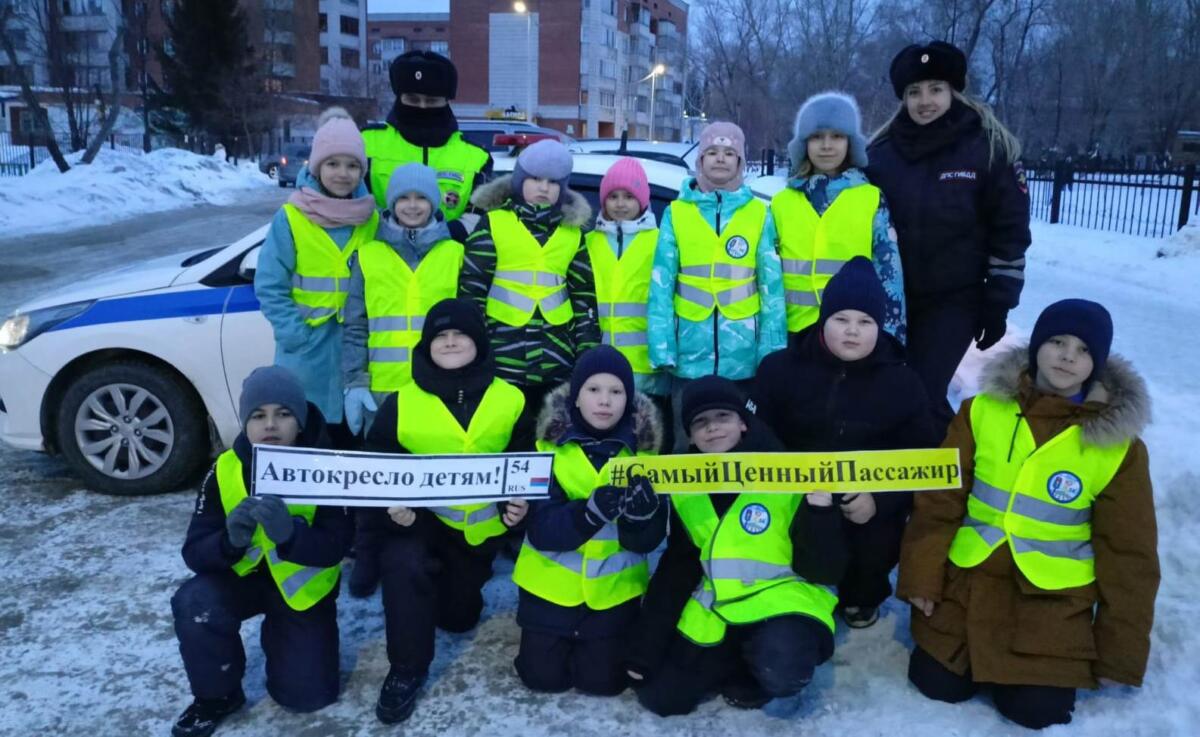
[(1052, 466), (257, 555)]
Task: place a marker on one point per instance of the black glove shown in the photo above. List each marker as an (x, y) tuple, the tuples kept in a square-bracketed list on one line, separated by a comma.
[(240, 523), (640, 500), (606, 504), (276, 519), (993, 324)]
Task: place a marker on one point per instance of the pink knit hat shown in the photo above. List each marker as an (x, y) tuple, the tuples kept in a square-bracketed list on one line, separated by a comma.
[(626, 174), (337, 135), (721, 133)]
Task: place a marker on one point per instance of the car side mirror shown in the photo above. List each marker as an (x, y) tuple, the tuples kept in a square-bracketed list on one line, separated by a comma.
[(249, 263)]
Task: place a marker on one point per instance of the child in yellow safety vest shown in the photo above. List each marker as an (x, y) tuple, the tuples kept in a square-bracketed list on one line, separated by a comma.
[(829, 213), (1038, 577), (435, 561), (582, 569), (256, 555), (741, 602), (621, 248), (716, 299), (303, 270)]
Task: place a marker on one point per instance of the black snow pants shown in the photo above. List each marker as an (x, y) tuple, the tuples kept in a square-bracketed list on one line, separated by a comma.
[(940, 330), (874, 549)]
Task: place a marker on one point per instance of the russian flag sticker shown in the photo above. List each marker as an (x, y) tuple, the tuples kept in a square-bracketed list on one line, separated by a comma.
[(539, 481)]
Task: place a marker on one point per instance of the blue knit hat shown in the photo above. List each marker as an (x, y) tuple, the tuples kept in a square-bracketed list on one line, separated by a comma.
[(546, 159), (834, 111), (1084, 319), (855, 287), (414, 178), (272, 385), (603, 359)]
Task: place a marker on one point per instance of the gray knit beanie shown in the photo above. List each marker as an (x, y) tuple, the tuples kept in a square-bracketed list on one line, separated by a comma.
[(834, 111), (546, 159), (272, 385), (413, 178)]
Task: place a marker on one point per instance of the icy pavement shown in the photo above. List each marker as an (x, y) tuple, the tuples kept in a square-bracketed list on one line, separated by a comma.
[(87, 646)]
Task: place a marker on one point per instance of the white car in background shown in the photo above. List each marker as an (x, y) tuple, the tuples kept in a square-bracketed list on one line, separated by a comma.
[(134, 375)]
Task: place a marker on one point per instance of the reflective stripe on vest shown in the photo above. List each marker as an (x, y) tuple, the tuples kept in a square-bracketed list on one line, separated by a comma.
[(425, 426), (322, 269), (529, 274), (1039, 499), (456, 162), (717, 271), (746, 556), (812, 247), (600, 573), (397, 299), (623, 292), (301, 586)]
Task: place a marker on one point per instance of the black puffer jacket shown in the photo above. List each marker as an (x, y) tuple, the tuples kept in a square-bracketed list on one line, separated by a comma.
[(961, 217)]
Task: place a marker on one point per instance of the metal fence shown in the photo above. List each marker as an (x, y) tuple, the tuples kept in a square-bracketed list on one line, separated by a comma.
[(1149, 202)]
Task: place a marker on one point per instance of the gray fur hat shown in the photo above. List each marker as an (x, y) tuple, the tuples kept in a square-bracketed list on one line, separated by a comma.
[(829, 111)]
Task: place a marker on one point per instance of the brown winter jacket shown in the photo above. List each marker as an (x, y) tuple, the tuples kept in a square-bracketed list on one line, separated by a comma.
[(990, 619)]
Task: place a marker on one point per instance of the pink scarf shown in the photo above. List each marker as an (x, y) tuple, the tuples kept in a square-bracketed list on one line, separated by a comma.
[(331, 212)]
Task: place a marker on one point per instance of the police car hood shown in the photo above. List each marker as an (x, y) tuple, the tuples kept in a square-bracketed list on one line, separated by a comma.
[(1116, 409), (141, 276)]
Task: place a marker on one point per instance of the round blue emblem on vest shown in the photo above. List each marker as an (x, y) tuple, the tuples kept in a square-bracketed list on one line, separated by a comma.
[(1064, 487), (755, 519), (737, 247)]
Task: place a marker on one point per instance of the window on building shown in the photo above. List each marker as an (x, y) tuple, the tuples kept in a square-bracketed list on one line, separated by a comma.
[(440, 47), (610, 38), (608, 99), (350, 58), (322, 22), (608, 70), (324, 55), (286, 53), (609, 7), (348, 25), (279, 20)]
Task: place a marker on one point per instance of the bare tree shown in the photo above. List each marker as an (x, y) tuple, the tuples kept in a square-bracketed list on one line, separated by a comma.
[(30, 98)]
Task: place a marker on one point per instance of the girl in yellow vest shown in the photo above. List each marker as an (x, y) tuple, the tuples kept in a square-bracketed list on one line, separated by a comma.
[(741, 602), (829, 213), (303, 270), (582, 569), (716, 297), (621, 247), (256, 555), (434, 562), (526, 268), (1039, 576)]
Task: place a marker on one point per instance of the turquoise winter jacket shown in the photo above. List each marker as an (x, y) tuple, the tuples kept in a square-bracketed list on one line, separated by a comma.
[(715, 345), (314, 355)]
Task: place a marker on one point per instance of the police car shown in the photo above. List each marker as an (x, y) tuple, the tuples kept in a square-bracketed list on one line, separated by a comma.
[(133, 376)]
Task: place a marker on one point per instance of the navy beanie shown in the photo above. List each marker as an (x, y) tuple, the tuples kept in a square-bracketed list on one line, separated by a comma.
[(272, 385), (711, 392), (462, 315), (855, 287), (603, 359), (1084, 319)]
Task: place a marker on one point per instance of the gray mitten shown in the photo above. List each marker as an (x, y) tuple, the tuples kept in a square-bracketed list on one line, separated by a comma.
[(240, 523), (276, 519)]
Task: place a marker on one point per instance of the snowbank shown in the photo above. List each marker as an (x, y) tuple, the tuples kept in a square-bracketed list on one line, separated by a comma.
[(120, 183), (1185, 242)]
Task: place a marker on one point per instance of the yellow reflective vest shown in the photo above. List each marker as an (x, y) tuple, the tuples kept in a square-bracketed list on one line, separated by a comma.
[(747, 560), (623, 293), (717, 271), (456, 162), (322, 269), (1037, 499), (397, 300), (300, 586), (812, 247), (600, 573), (530, 275), (425, 426)]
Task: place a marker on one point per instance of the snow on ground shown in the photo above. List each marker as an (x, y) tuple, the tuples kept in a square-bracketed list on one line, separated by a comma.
[(88, 646), (120, 183)]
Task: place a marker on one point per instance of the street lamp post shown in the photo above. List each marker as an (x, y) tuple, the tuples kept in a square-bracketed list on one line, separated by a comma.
[(521, 8), (653, 76)]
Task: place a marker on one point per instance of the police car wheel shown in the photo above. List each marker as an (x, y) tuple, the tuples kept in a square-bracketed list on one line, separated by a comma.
[(129, 428), (273, 171)]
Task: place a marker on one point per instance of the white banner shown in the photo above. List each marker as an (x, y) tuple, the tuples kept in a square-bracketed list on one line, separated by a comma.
[(356, 479)]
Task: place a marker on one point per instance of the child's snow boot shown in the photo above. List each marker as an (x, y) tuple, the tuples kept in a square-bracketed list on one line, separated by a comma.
[(398, 697), (203, 717)]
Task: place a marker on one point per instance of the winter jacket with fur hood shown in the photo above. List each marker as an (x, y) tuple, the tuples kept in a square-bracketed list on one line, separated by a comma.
[(559, 524), (715, 345), (536, 353), (990, 619)]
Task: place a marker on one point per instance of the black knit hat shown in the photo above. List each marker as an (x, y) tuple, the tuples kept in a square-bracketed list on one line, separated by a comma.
[(855, 287), (603, 359), (711, 392), (424, 72), (938, 60), (1084, 319), (456, 314)]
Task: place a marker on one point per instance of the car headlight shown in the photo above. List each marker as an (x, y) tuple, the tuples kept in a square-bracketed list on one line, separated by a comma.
[(24, 327)]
